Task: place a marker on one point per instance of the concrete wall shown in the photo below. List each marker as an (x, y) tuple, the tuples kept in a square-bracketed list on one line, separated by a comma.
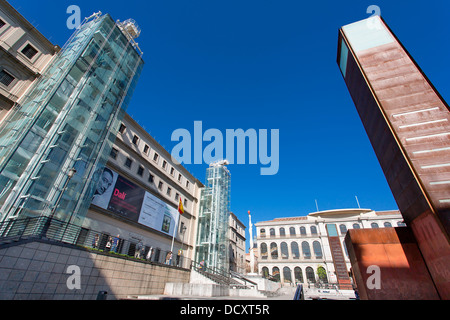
[(197, 290), (40, 270)]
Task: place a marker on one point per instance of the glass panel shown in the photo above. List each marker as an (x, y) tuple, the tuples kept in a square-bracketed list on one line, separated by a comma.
[(263, 249), (284, 250), (306, 249), (298, 275), (343, 58), (332, 231), (295, 250), (287, 274), (274, 250), (367, 33), (317, 249)]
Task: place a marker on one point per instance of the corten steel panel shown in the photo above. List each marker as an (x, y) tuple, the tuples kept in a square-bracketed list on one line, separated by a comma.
[(403, 273), (435, 251), (408, 124), (394, 97)]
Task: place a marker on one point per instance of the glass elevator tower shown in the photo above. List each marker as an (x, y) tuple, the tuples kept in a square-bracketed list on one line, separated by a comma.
[(212, 237), (67, 123)]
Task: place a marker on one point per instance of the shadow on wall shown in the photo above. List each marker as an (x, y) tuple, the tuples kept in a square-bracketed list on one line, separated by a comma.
[(33, 269)]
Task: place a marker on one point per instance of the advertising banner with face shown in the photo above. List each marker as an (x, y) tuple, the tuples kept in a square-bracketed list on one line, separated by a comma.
[(122, 197)]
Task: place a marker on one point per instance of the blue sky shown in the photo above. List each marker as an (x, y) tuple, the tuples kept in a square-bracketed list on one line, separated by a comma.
[(265, 65)]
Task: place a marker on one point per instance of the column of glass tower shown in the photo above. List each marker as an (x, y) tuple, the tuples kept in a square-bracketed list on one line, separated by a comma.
[(68, 120), (212, 237)]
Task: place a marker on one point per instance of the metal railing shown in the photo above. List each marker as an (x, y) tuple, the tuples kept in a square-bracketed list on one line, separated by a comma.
[(60, 231), (218, 275)]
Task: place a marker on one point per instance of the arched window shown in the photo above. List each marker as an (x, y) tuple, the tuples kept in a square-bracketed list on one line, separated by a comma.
[(276, 274), (292, 231), (272, 232), (298, 275), (287, 275), (262, 233), (322, 274), (374, 225), (317, 249), (310, 275), (263, 250), (273, 250), (295, 251), (343, 229), (306, 250), (356, 226), (282, 232), (313, 230), (284, 250), (387, 225), (303, 231), (265, 272)]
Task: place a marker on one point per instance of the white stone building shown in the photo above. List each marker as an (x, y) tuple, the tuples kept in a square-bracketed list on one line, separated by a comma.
[(142, 163), (297, 249)]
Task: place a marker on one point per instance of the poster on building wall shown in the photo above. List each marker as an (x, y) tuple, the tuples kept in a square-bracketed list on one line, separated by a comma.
[(122, 197), (157, 214), (105, 187)]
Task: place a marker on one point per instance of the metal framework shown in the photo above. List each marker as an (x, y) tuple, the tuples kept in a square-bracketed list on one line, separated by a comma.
[(212, 240)]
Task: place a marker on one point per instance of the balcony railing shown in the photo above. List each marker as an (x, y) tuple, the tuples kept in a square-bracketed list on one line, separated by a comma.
[(60, 231)]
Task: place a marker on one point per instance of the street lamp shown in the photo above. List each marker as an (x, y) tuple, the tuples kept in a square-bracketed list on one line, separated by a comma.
[(70, 175)]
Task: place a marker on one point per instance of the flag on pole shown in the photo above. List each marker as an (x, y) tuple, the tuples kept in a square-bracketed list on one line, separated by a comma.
[(180, 207)]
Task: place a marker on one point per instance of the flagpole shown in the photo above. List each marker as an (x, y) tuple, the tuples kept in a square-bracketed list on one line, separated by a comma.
[(180, 206), (174, 232)]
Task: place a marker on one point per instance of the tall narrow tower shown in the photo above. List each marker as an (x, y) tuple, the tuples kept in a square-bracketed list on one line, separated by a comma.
[(212, 237), (408, 124), (68, 121)]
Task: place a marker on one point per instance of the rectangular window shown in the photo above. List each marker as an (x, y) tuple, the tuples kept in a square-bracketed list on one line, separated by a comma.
[(179, 177), (185, 202), (122, 128), (160, 185), (114, 153), (128, 162), (6, 78), (140, 171), (169, 191), (29, 51), (2, 23), (172, 170), (155, 157), (177, 195), (187, 184), (146, 148), (135, 139), (150, 178), (164, 165)]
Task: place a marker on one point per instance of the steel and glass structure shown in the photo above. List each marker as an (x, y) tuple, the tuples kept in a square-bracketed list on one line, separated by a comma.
[(212, 237), (60, 134)]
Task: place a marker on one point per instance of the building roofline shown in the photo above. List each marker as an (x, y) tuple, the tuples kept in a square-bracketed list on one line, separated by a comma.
[(339, 212), (162, 150), (44, 40), (328, 213)]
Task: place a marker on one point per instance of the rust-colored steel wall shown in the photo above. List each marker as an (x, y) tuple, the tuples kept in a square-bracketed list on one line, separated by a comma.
[(403, 274), (408, 124)]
